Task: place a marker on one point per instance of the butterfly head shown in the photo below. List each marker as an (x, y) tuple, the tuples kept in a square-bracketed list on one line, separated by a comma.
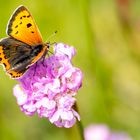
[(47, 45)]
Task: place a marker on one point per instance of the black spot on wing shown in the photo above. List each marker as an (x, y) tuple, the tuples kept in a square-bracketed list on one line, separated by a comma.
[(4, 64), (32, 32), (28, 16), (16, 26), (11, 74), (20, 23), (29, 25), (16, 32), (0, 59), (5, 57)]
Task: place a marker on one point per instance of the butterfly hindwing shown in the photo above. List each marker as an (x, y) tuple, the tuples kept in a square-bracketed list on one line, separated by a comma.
[(15, 56), (3, 59), (14, 74), (6, 64), (22, 27)]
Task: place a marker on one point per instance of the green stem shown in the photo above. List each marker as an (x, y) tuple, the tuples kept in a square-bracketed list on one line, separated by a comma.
[(81, 130), (79, 125)]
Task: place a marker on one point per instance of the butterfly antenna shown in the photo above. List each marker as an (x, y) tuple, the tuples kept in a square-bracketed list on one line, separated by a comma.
[(52, 35), (50, 52)]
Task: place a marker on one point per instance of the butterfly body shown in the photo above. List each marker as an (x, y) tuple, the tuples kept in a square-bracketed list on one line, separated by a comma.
[(24, 46)]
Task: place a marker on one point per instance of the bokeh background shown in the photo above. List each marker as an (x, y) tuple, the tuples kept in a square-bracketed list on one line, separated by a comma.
[(106, 35)]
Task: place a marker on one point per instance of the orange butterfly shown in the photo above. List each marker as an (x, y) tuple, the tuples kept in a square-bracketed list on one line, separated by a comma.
[(24, 46)]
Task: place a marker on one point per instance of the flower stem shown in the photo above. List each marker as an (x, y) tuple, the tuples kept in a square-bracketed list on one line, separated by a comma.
[(79, 125)]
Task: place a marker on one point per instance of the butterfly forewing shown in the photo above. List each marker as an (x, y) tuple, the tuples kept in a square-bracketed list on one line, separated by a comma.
[(22, 27)]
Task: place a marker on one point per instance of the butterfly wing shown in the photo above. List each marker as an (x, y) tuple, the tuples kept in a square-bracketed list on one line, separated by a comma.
[(15, 56), (22, 27)]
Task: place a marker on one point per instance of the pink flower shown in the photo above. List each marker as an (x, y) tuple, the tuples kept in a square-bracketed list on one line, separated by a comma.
[(65, 115), (49, 87), (63, 49), (119, 136), (97, 132), (20, 95), (102, 132), (73, 79)]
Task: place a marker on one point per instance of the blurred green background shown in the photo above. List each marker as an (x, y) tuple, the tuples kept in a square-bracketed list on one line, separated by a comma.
[(106, 35)]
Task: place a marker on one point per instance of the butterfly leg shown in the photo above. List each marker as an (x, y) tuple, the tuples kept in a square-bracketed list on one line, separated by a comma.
[(35, 69), (43, 60)]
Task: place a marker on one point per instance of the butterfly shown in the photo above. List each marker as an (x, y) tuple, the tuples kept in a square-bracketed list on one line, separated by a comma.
[(24, 46)]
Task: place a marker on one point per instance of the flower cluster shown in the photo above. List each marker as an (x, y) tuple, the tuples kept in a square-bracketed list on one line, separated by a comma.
[(49, 86), (102, 132)]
